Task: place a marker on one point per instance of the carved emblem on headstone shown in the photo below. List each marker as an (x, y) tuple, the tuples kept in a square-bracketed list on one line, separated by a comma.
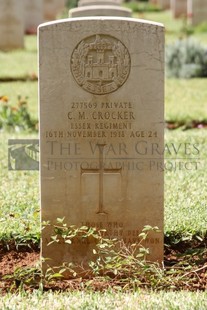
[(100, 64)]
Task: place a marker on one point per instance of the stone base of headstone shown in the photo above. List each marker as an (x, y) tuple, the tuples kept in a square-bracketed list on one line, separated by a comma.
[(100, 10)]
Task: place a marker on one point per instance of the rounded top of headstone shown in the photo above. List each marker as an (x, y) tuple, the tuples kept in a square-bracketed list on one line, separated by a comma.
[(101, 19)]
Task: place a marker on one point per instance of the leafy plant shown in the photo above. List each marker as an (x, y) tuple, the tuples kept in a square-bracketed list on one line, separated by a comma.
[(71, 3), (142, 6), (186, 59), (113, 259), (16, 117), (25, 276)]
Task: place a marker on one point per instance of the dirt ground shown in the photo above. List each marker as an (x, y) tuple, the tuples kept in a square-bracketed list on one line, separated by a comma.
[(191, 279)]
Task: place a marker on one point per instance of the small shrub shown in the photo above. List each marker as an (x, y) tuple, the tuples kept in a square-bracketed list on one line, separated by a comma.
[(71, 4), (142, 6), (186, 59), (124, 264), (16, 117)]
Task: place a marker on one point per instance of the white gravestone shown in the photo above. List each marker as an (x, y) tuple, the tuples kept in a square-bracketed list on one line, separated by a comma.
[(197, 11), (164, 4), (178, 8), (33, 15), (52, 8), (101, 96), (11, 24)]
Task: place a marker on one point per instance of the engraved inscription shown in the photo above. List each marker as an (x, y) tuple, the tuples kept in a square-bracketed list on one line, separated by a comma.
[(100, 64), (101, 171)]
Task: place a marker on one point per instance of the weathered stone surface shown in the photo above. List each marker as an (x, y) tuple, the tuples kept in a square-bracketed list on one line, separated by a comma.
[(33, 15), (178, 8), (101, 83), (100, 10), (11, 24), (197, 11)]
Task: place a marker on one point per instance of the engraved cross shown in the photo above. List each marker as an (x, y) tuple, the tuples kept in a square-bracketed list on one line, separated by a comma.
[(101, 171)]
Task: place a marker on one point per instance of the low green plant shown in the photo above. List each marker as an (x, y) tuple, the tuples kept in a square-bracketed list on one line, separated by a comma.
[(186, 59), (29, 276), (116, 264), (142, 6), (112, 259), (16, 117), (71, 3)]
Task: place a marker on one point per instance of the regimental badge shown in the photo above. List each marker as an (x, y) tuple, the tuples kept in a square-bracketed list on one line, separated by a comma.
[(100, 64)]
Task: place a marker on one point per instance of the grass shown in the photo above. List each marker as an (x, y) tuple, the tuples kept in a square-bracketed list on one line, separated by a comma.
[(186, 100), (19, 198), (140, 300), (174, 28), (20, 63), (185, 179)]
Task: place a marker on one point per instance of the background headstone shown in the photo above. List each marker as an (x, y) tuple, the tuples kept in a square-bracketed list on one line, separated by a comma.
[(100, 10), (153, 1), (99, 2), (11, 24), (33, 15), (197, 11), (178, 8), (101, 83), (52, 8), (164, 4)]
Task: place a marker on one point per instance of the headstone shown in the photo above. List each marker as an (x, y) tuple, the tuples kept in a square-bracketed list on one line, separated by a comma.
[(52, 8), (99, 2), (33, 15), (100, 10), (154, 1), (101, 83), (164, 4), (197, 11), (178, 8), (11, 24)]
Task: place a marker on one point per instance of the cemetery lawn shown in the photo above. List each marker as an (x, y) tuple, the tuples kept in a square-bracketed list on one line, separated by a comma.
[(185, 194), (140, 300)]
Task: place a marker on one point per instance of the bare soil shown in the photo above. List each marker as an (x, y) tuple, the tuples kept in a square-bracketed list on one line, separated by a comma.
[(177, 257)]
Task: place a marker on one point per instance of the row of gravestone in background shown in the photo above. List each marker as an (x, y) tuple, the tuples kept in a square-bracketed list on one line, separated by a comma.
[(20, 16), (194, 10), (100, 8)]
